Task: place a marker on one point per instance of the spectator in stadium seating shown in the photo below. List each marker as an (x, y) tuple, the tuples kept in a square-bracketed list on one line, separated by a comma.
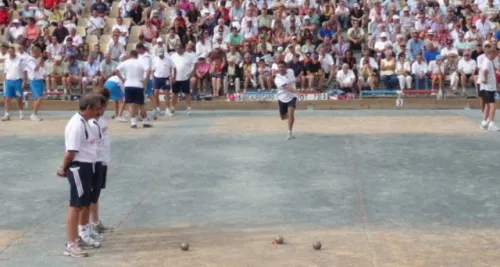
[(314, 70), (387, 70), (264, 75), (77, 7), (50, 4), (473, 37), (343, 15), (346, 79), (3, 55), (69, 49), (149, 31), (100, 7), (60, 32), (298, 68), (54, 48), (115, 49), (204, 46), (460, 44), (99, 55), (84, 53), (365, 78), (484, 25), (467, 69), (325, 31), (357, 15), (380, 45), (356, 35), (76, 38), (15, 32), (73, 74), (91, 73), (232, 76), (448, 49), (235, 38), (58, 75), (451, 70), (55, 16), (249, 72), (234, 55), (414, 47), (327, 65), (95, 24), (419, 70), (135, 14), (106, 68), (31, 31), (121, 29), (430, 52), (4, 18), (436, 69), (157, 22), (403, 71), (70, 16), (201, 75), (216, 69)]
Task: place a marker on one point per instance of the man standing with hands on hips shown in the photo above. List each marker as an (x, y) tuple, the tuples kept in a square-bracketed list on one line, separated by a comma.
[(488, 88), (287, 95), (78, 166)]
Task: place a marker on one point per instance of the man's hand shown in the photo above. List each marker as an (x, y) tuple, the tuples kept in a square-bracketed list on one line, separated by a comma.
[(61, 173)]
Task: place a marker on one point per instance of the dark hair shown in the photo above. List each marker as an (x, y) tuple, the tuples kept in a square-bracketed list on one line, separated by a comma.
[(104, 93), (133, 54), (88, 101), (282, 63)]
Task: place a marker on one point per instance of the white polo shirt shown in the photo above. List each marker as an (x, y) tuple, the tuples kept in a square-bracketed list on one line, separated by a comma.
[(490, 84), (132, 70), (13, 68), (281, 80), (479, 61), (146, 60), (106, 140), (33, 74), (78, 137), (326, 62), (346, 78), (162, 67), (468, 67), (183, 65), (419, 69), (95, 127)]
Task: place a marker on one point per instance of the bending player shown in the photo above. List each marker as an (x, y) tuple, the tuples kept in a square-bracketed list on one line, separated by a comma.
[(287, 95)]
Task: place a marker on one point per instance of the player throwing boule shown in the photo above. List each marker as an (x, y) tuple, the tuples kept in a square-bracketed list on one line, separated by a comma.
[(287, 95)]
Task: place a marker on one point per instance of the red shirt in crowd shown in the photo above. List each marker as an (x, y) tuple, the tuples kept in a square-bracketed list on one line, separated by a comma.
[(49, 4), (4, 17)]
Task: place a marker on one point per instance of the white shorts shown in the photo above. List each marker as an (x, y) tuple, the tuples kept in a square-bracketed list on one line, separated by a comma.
[(88, 79)]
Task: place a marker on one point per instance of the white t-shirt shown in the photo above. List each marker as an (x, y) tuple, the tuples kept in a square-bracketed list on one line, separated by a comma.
[(132, 70), (30, 68), (281, 80), (146, 60), (106, 140), (78, 137), (326, 62), (14, 68), (162, 67), (490, 84), (346, 78), (183, 65), (468, 67), (434, 68), (95, 127)]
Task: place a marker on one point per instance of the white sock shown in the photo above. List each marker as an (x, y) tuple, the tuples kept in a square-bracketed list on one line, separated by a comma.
[(145, 121), (82, 230), (7, 114), (158, 109), (20, 112), (133, 121)]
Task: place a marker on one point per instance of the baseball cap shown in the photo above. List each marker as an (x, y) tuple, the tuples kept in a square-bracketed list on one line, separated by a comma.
[(431, 32), (439, 58), (159, 40), (384, 34), (58, 58), (307, 17), (395, 17), (406, 9), (15, 21)]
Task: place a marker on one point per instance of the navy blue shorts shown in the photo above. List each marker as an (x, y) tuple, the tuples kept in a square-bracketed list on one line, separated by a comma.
[(80, 176), (104, 176), (283, 107), (161, 83), (134, 95), (181, 86), (96, 183)]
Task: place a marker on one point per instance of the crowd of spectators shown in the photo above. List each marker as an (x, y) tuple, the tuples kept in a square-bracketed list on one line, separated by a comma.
[(407, 45)]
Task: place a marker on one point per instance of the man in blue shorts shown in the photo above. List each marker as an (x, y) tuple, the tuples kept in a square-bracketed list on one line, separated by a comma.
[(35, 67), (114, 86), (13, 82), (161, 69)]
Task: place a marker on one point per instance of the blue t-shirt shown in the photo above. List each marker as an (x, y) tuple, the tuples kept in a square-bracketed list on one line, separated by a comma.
[(323, 33), (497, 35), (430, 55)]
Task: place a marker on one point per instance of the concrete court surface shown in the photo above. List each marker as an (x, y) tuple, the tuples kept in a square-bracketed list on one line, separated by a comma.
[(377, 188)]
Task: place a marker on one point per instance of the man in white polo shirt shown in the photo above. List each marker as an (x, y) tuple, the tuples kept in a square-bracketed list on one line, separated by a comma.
[(35, 67), (13, 82), (488, 87), (78, 166), (287, 95), (146, 59), (486, 47), (162, 69), (467, 69), (133, 73), (183, 66)]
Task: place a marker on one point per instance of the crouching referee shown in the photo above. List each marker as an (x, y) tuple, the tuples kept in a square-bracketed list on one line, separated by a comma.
[(78, 166)]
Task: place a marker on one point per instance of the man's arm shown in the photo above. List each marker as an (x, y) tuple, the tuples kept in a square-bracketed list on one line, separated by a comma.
[(66, 161)]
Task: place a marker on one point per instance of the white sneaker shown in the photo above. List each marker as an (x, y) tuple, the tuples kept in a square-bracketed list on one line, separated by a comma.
[(34, 117), (88, 242), (21, 116), (74, 251), (172, 112), (6, 117), (121, 119), (168, 112), (484, 125), (95, 235), (492, 127), (189, 110), (290, 136)]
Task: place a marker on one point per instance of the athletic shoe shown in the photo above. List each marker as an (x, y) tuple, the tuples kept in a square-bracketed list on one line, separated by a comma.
[(290, 136), (493, 127), (121, 119), (147, 125), (88, 242), (6, 117), (168, 112), (189, 110), (134, 126), (156, 114), (113, 117), (484, 125), (95, 235), (100, 228), (74, 251), (34, 117), (21, 116)]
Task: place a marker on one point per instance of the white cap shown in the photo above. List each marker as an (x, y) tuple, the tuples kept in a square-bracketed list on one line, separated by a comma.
[(159, 40), (307, 17), (2, 4), (384, 34), (15, 21), (58, 58), (395, 17)]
